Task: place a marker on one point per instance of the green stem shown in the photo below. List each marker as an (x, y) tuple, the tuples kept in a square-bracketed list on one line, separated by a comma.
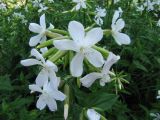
[(103, 118), (45, 44), (57, 56), (89, 28), (78, 82), (59, 31), (52, 35), (91, 68), (67, 93), (49, 52), (50, 42), (107, 32)]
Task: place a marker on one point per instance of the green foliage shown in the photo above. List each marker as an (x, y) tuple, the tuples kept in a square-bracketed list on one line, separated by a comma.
[(140, 61)]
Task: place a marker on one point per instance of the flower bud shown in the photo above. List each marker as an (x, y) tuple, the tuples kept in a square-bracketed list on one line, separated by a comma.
[(66, 108)]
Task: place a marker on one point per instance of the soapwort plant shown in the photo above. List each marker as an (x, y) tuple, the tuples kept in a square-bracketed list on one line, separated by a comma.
[(78, 49)]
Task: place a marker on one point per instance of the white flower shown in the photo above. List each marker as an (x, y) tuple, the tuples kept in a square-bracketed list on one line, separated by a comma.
[(158, 23), (117, 25), (155, 115), (93, 115), (40, 29), (104, 76), (48, 96), (100, 13), (47, 72), (3, 7), (115, 1), (42, 8), (80, 4), (51, 1), (36, 3), (82, 44), (149, 5), (140, 8), (158, 97)]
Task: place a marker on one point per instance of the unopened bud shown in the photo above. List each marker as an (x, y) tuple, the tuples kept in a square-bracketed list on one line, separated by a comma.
[(66, 107)]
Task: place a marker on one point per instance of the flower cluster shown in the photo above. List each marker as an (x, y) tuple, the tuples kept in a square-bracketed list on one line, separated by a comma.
[(40, 5), (148, 5), (81, 43), (47, 82), (21, 17)]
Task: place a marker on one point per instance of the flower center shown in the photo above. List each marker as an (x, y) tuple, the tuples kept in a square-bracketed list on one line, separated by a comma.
[(82, 50), (106, 78)]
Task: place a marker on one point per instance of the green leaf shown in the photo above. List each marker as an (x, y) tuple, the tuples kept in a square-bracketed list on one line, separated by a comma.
[(5, 83), (99, 99), (140, 66)]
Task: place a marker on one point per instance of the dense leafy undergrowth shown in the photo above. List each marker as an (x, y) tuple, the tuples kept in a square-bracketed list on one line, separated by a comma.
[(139, 63)]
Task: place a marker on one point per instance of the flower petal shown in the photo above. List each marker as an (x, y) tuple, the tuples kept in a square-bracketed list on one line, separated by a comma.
[(93, 115), (42, 77), (43, 21), (51, 103), (89, 79), (112, 58), (36, 54), (158, 97), (120, 24), (35, 40), (93, 36), (76, 30), (58, 95), (35, 88), (30, 62), (91, 54), (115, 17), (121, 38), (35, 28), (76, 65), (54, 80), (83, 4), (105, 79), (66, 45), (41, 103), (44, 50), (77, 7), (51, 65), (43, 39)]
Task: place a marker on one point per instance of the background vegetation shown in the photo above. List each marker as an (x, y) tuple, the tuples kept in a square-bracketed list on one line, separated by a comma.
[(140, 62)]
